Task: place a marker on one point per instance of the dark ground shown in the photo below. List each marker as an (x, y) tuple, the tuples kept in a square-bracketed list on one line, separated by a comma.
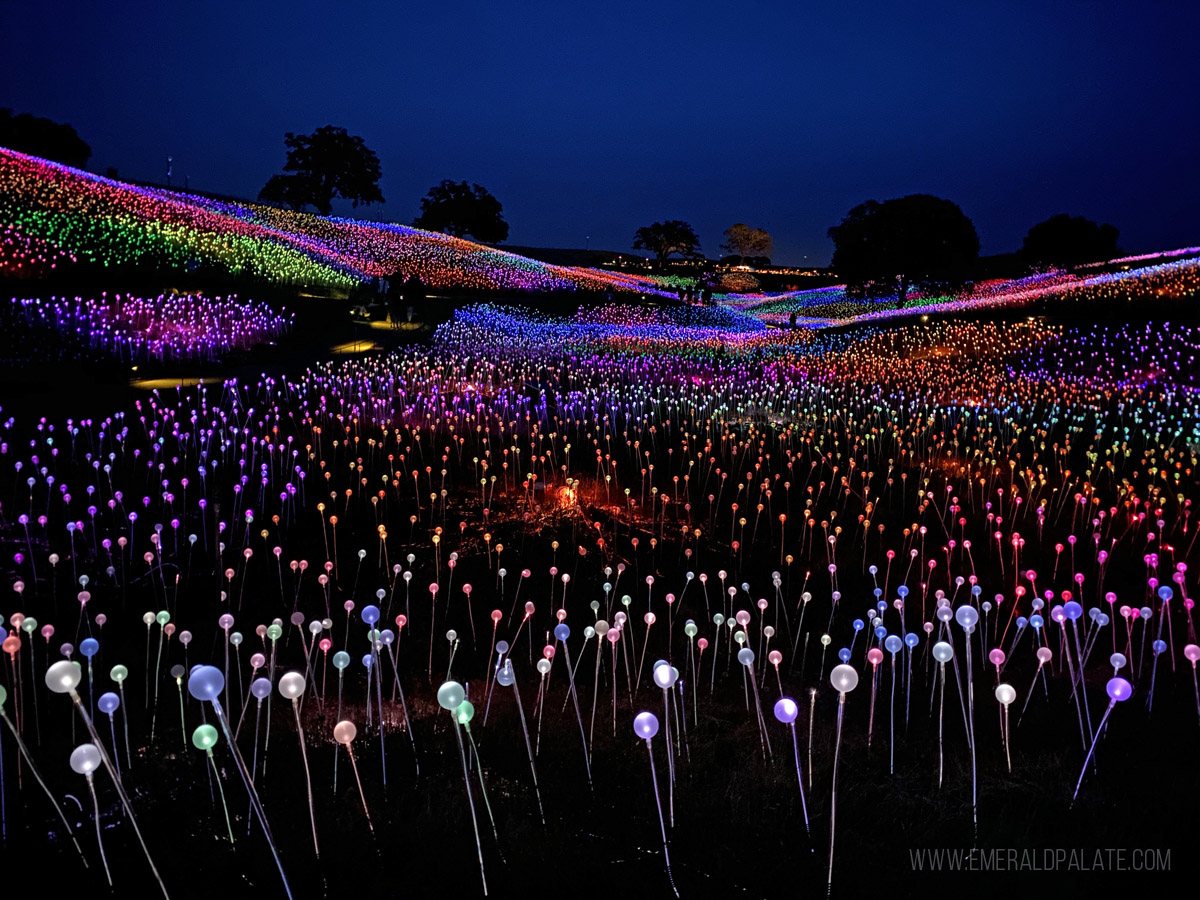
[(738, 823)]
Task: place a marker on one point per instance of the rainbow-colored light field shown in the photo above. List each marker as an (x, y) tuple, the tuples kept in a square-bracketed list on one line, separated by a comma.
[(734, 580)]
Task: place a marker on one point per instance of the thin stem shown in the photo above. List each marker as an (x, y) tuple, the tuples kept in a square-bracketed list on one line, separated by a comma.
[(361, 795), (248, 783), (99, 840), (529, 751), (221, 791), (799, 776), (462, 755), (661, 824), (837, 751), (312, 815), (120, 787), (1092, 749), (38, 775)]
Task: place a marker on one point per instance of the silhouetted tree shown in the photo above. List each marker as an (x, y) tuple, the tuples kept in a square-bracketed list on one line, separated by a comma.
[(41, 137), (917, 241), (323, 165), (459, 209), (292, 191), (743, 241), (1065, 240), (664, 238)]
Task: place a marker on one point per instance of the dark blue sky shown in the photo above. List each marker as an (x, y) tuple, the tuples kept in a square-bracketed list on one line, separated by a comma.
[(590, 119)]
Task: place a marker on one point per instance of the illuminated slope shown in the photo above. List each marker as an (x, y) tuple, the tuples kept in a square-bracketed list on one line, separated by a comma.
[(1173, 274), (53, 215)]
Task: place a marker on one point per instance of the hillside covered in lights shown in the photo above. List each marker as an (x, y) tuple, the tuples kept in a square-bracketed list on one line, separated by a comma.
[(1165, 277), (53, 216)]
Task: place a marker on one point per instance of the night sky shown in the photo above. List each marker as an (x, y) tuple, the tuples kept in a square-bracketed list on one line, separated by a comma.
[(591, 119)]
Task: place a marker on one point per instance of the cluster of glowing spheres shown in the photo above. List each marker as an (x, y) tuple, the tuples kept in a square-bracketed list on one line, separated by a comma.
[(26, 256), (187, 326)]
